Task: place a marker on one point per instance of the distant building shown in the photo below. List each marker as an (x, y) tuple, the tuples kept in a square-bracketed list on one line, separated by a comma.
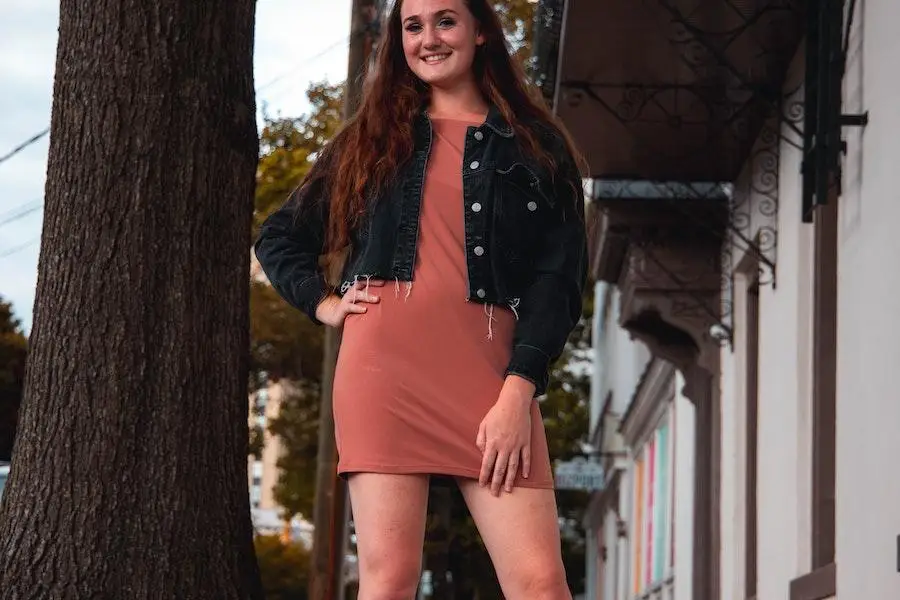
[(4, 475), (262, 472)]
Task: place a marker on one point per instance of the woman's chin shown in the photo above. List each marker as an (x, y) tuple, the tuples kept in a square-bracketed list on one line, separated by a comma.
[(439, 80)]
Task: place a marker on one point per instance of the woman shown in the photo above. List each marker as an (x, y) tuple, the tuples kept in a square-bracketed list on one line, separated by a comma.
[(460, 202)]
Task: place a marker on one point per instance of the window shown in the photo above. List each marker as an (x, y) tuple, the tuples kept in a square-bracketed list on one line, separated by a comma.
[(824, 382), (652, 515), (822, 577), (752, 408)]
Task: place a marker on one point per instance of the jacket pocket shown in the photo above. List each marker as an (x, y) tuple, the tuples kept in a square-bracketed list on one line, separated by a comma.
[(523, 190), (522, 202)]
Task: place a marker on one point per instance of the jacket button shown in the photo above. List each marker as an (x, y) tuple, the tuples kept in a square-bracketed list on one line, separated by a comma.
[(475, 164), (479, 136), (479, 251), (532, 206), (476, 207), (480, 293)]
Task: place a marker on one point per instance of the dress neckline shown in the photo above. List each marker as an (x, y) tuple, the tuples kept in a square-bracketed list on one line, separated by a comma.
[(471, 118)]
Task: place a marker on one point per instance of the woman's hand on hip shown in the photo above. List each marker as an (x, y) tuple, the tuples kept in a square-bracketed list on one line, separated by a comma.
[(333, 309), (504, 436)]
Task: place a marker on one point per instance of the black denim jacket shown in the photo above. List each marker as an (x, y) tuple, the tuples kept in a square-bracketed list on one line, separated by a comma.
[(524, 235)]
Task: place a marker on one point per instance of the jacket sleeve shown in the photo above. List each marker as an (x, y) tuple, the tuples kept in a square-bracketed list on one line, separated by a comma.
[(552, 304), (289, 245)]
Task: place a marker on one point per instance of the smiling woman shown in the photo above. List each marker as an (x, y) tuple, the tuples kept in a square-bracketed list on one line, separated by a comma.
[(440, 45), (458, 197)]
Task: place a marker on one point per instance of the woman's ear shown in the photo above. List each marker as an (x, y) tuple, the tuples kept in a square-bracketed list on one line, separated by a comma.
[(479, 39)]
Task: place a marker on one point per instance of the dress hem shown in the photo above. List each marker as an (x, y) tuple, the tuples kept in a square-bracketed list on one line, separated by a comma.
[(344, 471)]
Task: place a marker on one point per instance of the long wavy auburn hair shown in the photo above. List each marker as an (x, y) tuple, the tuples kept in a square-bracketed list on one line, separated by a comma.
[(372, 146)]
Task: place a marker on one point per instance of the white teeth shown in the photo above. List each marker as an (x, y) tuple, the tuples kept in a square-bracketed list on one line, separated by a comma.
[(435, 58)]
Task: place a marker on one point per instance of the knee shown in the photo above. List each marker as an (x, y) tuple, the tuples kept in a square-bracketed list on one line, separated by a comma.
[(389, 577), (540, 582)]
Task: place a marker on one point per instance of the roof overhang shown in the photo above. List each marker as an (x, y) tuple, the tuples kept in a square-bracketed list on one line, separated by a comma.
[(672, 90)]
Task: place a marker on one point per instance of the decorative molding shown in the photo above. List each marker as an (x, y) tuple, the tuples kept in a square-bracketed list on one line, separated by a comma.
[(654, 393), (670, 300)]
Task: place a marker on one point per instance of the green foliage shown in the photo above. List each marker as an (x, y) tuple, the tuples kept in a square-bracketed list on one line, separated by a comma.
[(517, 17), (13, 351), (288, 147), (284, 568), (284, 343)]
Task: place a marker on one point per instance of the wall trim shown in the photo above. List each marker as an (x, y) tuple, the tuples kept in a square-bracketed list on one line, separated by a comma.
[(818, 585)]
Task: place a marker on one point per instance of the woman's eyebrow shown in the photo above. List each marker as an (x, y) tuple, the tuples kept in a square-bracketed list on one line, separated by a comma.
[(436, 15)]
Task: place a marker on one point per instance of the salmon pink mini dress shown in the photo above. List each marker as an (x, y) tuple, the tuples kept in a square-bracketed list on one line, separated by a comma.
[(420, 369)]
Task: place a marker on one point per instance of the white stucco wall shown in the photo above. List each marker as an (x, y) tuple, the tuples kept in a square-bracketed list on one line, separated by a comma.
[(684, 493), (783, 342), (784, 400), (611, 541), (868, 401)]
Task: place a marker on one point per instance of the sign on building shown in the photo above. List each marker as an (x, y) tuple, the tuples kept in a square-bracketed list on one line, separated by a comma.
[(579, 474)]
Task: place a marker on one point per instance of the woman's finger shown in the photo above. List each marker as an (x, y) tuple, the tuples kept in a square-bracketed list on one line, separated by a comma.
[(356, 296), (481, 438), (357, 308), (500, 467), (526, 460), (512, 470), (363, 284), (487, 466)]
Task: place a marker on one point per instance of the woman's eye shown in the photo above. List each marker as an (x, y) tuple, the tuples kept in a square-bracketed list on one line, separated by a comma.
[(446, 23), (413, 27)]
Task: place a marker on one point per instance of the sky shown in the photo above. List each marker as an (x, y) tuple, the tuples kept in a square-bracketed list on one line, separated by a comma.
[(297, 42)]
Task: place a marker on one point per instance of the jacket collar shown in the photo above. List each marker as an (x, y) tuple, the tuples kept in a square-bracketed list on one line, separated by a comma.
[(494, 121)]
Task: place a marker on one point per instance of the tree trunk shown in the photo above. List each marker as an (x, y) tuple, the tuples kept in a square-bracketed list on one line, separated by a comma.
[(129, 475)]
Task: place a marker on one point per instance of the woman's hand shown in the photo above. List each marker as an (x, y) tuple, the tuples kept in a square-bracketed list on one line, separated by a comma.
[(504, 436), (333, 309)]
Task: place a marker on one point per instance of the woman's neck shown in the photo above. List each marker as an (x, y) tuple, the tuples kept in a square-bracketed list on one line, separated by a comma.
[(464, 99)]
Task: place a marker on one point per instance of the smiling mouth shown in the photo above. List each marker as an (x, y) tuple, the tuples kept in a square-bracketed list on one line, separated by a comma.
[(436, 58)]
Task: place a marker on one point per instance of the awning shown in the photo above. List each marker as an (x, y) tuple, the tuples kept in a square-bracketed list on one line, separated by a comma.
[(672, 90)]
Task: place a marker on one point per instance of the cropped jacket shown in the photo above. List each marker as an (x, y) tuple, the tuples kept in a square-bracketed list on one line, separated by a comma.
[(525, 242)]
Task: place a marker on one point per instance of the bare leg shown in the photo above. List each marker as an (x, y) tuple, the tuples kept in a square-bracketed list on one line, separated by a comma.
[(389, 516), (521, 533)]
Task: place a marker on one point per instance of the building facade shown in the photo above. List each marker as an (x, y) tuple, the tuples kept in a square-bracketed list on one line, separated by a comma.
[(744, 208), (642, 432)]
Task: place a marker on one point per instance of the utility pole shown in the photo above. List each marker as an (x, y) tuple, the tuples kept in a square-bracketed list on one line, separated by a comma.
[(330, 515)]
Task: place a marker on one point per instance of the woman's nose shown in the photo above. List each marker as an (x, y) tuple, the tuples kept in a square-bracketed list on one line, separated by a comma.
[(430, 37)]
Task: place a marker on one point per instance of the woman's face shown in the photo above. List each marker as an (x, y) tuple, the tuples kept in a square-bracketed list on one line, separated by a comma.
[(439, 40)]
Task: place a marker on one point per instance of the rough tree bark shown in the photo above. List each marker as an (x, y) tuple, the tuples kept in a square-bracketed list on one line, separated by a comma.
[(129, 475)]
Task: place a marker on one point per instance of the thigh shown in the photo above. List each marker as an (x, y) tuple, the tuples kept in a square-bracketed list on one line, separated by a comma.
[(389, 519), (521, 533)]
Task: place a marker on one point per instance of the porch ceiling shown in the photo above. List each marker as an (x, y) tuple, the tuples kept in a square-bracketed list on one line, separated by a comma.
[(672, 89)]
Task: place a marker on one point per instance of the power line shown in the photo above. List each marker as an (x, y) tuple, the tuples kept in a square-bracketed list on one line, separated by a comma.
[(38, 136), (303, 63), (21, 211), (15, 249), (24, 145)]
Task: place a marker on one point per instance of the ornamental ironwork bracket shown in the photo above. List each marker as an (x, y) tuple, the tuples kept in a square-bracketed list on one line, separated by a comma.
[(709, 60)]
